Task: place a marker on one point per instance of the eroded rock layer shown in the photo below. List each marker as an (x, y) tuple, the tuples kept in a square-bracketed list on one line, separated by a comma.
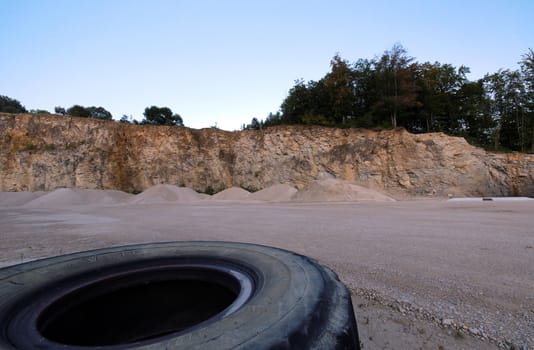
[(43, 152)]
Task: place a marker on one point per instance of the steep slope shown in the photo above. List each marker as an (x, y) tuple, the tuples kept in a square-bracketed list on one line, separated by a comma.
[(43, 152)]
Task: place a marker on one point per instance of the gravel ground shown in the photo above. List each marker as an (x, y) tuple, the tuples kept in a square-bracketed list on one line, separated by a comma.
[(424, 274)]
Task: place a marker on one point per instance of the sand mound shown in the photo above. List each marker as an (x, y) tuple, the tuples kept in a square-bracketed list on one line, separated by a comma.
[(108, 196), (334, 190), (232, 194), (75, 196), (167, 193), (15, 199), (275, 193)]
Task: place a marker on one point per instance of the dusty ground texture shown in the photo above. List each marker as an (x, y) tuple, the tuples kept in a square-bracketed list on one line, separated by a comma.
[(428, 274)]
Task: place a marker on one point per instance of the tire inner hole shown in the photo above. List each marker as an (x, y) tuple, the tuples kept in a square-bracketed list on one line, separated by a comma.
[(137, 307)]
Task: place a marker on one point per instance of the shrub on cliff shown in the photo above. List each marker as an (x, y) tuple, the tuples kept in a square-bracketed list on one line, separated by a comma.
[(88, 112), (10, 105), (161, 116)]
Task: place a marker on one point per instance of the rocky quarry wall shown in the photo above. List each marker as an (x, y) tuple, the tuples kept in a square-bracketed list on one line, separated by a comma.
[(45, 152)]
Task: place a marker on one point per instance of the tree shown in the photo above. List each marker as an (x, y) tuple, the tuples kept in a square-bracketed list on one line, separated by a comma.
[(10, 105), (255, 124), (161, 116), (507, 94), (126, 119), (99, 113), (396, 83), (39, 111), (394, 90), (473, 110), (340, 90), (365, 93), (88, 112), (60, 110), (309, 103), (513, 127), (527, 73), (273, 119), (296, 104), (446, 82), (79, 111), (430, 93)]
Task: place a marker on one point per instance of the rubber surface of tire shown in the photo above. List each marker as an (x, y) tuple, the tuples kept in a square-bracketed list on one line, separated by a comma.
[(295, 303)]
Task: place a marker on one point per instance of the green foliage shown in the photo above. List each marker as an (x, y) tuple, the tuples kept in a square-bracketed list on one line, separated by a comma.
[(9, 105), (255, 124), (273, 119), (298, 102), (79, 111), (315, 119), (39, 111), (527, 74), (60, 110), (100, 113), (392, 90), (29, 146), (509, 110), (161, 116), (87, 112), (337, 93), (126, 119), (395, 83)]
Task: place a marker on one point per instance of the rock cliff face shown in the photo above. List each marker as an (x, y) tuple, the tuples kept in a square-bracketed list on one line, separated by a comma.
[(42, 152)]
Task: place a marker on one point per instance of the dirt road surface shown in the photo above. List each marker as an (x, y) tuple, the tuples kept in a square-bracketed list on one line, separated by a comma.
[(429, 274)]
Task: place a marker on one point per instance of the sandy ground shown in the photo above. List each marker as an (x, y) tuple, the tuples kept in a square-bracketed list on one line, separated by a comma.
[(427, 274)]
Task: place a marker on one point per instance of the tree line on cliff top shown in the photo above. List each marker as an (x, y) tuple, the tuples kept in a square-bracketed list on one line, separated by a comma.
[(152, 115), (389, 91), (393, 90)]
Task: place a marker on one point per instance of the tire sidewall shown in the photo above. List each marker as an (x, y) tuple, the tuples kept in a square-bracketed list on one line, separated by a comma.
[(294, 304)]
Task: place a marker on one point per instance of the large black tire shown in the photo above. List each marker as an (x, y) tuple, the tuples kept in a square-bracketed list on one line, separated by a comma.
[(236, 296)]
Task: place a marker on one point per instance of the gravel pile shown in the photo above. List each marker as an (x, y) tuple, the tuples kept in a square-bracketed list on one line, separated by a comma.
[(275, 193), (65, 197), (335, 190), (166, 193), (231, 194)]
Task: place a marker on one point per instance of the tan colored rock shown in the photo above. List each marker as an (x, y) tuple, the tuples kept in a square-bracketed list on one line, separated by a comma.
[(43, 152)]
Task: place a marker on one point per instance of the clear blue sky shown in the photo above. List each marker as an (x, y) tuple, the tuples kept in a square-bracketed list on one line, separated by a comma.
[(224, 62)]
